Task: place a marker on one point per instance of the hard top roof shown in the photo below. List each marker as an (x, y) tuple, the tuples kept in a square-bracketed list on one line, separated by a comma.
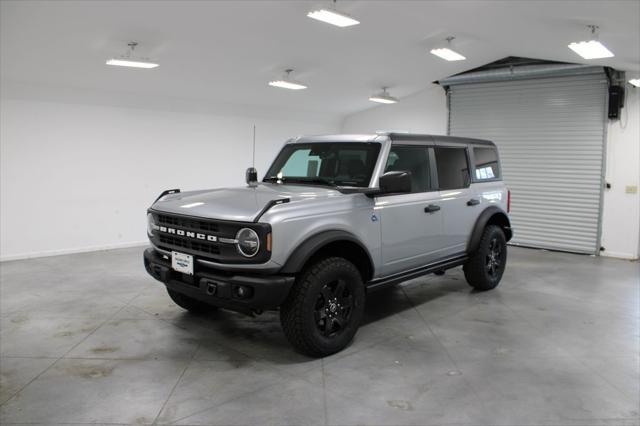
[(394, 136)]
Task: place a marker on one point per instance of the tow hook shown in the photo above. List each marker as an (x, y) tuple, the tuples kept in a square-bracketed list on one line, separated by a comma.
[(209, 286), (211, 289)]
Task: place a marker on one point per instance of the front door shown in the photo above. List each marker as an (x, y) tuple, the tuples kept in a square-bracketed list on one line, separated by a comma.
[(411, 224)]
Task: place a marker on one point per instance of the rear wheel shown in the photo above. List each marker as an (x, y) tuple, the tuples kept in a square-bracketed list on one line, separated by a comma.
[(484, 269), (190, 304), (324, 308)]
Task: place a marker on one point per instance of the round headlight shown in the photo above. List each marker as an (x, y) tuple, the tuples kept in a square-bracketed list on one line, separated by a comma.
[(248, 242), (151, 225)]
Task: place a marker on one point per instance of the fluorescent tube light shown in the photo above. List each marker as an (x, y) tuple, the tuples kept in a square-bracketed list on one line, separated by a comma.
[(592, 49), (447, 54), (286, 82), (130, 62), (635, 82), (383, 97), (287, 85), (333, 17), (382, 100)]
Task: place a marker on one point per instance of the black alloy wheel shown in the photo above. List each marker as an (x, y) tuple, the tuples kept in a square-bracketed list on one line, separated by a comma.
[(334, 308), (324, 307)]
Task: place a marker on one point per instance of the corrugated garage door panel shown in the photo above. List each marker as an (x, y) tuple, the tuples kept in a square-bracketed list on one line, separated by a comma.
[(550, 132)]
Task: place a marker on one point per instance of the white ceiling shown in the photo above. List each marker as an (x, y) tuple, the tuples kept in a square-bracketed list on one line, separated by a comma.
[(227, 51)]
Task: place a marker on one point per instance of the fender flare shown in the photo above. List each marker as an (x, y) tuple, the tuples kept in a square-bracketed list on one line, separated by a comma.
[(488, 214), (305, 250)]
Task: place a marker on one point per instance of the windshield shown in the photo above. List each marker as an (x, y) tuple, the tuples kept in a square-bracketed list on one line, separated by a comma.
[(332, 164)]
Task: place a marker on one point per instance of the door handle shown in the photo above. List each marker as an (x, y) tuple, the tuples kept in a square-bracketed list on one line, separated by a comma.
[(473, 202), (431, 208)]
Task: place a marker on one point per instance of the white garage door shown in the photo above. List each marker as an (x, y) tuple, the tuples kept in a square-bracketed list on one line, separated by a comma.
[(550, 133)]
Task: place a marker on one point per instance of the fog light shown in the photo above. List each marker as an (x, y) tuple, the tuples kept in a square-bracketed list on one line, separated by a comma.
[(242, 292)]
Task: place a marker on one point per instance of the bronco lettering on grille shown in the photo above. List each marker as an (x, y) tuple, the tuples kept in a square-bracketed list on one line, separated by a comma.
[(189, 234)]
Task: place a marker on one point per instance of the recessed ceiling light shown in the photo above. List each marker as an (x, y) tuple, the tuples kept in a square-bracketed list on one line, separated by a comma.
[(447, 53), (287, 82), (591, 49), (383, 97), (635, 82), (129, 60), (333, 17)]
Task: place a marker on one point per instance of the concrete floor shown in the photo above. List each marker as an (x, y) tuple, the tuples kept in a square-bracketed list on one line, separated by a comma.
[(90, 338)]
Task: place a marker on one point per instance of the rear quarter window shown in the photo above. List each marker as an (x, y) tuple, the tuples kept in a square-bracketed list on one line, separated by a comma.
[(485, 164)]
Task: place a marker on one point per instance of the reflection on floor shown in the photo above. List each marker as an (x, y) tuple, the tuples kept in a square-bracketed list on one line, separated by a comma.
[(91, 338)]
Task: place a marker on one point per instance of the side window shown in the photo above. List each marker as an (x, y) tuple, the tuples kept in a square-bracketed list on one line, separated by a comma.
[(486, 163), (414, 159), (453, 170)]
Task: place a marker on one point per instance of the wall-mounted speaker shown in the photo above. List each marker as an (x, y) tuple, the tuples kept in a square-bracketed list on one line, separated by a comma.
[(616, 101)]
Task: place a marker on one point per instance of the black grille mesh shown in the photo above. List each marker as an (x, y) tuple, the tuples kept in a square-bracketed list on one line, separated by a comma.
[(186, 223), (215, 251), (190, 245)]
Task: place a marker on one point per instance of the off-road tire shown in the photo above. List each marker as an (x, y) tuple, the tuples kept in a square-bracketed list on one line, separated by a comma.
[(480, 270), (301, 314), (192, 305)]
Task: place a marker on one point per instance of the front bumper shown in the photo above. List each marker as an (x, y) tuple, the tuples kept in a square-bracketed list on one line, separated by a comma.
[(236, 291)]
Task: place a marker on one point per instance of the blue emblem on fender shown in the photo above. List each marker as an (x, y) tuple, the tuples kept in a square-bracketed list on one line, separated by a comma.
[(374, 218)]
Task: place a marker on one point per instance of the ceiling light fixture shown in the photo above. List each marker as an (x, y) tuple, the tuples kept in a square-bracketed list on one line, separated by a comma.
[(591, 49), (635, 82), (447, 53), (130, 60), (333, 17), (383, 97), (287, 82)]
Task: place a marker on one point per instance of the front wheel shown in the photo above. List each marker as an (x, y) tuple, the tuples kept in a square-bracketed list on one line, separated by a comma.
[(324, 308), (484, 269)]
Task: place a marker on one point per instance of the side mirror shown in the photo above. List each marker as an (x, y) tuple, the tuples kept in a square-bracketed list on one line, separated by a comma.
[(395, 182), (251, 176)]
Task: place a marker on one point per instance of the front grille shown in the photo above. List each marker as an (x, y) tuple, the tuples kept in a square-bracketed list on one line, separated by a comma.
[(203, 248)]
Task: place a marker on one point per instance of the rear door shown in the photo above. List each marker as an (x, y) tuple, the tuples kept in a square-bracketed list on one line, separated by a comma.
[(459, 202), (411, 235)]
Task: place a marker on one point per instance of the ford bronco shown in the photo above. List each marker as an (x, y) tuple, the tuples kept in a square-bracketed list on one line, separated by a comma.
[(334, 218)]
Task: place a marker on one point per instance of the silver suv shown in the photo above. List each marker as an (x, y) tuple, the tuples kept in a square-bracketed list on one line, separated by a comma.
[(335, 218)]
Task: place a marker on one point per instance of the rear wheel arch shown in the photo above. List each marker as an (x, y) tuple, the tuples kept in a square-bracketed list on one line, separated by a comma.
[(490, 216), (335, 243)]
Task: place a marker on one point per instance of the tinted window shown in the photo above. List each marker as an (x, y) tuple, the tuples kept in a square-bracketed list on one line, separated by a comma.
[(343, 164), (453, 170), (486, 163), (414, 159)]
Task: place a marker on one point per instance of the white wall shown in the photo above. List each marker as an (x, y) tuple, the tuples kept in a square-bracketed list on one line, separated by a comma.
[(77, 177), (621, 216), (426, 112), (423, 112)]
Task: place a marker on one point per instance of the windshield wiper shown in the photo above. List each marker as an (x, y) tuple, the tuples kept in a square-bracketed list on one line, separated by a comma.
[(323, 181), (317, 180), (293, 179)]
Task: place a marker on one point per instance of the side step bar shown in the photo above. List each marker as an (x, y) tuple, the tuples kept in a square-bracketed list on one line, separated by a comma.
[(384, 282)]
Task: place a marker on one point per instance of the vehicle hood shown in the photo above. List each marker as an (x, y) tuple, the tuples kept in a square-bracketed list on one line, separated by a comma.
[(241, 204)]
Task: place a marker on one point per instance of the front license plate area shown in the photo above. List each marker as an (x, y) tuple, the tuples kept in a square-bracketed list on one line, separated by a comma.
[(182, 262)]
